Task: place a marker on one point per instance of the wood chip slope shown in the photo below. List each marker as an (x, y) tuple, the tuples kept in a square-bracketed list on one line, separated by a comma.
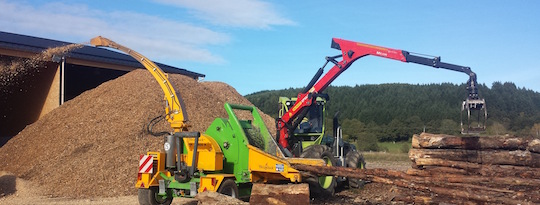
[(90, 145)]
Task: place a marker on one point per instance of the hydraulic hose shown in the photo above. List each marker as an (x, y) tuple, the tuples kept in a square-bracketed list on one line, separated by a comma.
[(150, 126)]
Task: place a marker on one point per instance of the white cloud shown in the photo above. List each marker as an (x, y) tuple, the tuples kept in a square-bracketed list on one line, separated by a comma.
[(238, 13), (158, 38)]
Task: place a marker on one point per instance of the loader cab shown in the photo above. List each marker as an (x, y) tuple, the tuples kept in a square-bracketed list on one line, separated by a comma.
[(312, 127)]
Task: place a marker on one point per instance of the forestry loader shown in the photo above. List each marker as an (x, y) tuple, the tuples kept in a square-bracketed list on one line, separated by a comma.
[(301, 124), (228, 158)]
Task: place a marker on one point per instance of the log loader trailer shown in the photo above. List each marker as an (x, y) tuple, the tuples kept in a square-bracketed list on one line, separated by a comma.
[(228, 158), (301, 124)]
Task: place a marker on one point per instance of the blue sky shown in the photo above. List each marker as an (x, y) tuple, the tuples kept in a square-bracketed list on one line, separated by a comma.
[(258, 45)]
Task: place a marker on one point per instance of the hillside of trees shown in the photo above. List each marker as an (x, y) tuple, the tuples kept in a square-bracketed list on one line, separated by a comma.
[(394, 112)]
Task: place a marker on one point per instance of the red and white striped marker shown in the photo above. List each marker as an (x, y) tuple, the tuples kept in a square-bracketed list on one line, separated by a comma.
[(145, 164)]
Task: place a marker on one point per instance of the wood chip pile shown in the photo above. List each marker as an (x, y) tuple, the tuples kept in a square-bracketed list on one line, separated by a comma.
[(90, 145)]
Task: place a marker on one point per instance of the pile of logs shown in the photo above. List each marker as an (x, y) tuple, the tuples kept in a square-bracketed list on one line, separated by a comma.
[(452, 169), (481, 169)]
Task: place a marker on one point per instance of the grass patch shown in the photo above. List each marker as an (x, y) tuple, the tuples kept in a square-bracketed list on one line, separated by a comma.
[(386, 156), (394, 147), (389, 152)]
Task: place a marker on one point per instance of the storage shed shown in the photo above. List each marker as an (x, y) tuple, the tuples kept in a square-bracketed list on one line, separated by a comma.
[(60, 79)]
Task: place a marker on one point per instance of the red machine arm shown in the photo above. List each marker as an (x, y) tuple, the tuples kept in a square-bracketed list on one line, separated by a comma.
[(352, 51)]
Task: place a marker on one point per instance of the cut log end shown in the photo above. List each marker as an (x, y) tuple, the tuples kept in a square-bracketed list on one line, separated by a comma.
[(279, 194)]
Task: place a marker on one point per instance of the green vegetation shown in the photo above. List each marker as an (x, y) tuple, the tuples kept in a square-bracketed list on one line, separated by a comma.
[(395, 147), (394, 112), (385, 156)]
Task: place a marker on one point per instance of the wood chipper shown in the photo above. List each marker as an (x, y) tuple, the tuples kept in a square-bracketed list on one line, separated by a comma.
[(228, 158)]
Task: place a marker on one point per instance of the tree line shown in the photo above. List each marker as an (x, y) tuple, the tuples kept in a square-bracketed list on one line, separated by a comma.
[(394, 112)]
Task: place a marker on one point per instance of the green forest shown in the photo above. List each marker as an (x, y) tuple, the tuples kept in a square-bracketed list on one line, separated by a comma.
[(394, 112)]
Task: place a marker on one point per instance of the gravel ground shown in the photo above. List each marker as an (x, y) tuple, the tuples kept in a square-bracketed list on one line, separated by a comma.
[(393, 165)]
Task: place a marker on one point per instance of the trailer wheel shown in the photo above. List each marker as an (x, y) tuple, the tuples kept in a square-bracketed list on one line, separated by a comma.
[(355, 160), (229, 188), (323, 186), (150, 197)]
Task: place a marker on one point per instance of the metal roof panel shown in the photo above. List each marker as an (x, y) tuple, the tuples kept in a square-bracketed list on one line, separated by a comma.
[(36, 45)]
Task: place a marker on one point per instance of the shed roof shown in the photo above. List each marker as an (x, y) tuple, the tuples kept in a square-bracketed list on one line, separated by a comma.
[(33, 44)]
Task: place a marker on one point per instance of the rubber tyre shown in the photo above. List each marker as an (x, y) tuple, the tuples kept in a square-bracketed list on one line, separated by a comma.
[(315, 151), (320, 187), (229, 188), (356, 160), (150, 197)]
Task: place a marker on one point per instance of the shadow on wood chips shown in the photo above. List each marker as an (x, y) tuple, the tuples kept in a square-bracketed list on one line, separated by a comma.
[(7, 185)]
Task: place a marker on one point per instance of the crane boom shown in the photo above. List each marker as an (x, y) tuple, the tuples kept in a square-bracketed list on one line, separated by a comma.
[(352, 51), (408, 57), (174, 109)]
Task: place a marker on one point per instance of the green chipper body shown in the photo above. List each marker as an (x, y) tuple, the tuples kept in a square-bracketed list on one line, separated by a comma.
[(228, 158)]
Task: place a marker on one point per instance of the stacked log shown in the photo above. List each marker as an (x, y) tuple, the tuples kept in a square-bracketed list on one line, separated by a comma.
[(481, 169), (452, 169), (279, 194)]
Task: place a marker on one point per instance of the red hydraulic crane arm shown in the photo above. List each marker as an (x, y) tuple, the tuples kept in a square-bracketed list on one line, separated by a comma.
[(350, 52)]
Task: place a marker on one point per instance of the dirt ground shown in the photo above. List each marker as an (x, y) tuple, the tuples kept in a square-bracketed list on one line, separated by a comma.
[(14, 190), (371, 193)]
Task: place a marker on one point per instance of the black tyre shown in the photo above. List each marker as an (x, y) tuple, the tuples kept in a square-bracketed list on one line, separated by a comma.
[(314, 151), (229, 188), (150, 197), (356, 160), (323, 186)]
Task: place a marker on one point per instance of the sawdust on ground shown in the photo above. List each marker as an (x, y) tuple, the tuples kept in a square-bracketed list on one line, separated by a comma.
[(17, 191)]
